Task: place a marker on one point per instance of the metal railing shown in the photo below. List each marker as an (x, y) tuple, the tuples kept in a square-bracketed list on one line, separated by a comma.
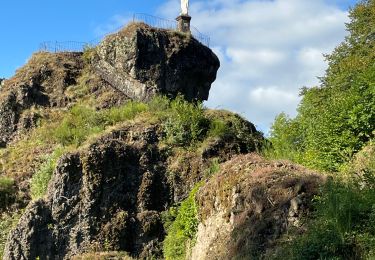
[(162, 23), (153, 21), (67, 46)]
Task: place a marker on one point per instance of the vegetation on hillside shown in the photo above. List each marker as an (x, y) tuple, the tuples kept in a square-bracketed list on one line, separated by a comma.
[(333, 131), (183, 228), (34, 156), (336, 119)]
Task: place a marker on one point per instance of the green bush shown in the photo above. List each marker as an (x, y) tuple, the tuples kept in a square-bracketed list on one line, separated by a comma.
[(181, 234), (286, 139), (336, 119), (7, 192), (218, 128), (186, 123)]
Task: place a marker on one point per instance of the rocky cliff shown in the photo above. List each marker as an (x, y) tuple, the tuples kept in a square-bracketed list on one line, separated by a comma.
[(141, 62), (107, 176), (112, 194), (138, 62)]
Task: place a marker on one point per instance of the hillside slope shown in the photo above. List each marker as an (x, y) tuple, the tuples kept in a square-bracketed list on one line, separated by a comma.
[(87, 172)]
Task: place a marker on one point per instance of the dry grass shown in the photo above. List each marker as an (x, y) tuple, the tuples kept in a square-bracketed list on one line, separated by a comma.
[(249, 172)]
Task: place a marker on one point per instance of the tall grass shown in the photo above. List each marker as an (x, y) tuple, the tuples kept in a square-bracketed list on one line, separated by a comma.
[(186, 123)]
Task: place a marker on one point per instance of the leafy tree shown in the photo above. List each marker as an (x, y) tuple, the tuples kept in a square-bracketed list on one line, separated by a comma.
[(336, 119)]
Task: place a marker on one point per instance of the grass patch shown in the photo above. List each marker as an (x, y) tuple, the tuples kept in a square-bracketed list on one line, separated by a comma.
[(182, 231), (40, 180), (186, 123), (82, 122)]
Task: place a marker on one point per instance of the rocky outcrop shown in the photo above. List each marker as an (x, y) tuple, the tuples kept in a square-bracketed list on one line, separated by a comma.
[(137, 62), (40, 83), (101, 197), (142, 61), (110, 196), (49, 80), (246, 208)]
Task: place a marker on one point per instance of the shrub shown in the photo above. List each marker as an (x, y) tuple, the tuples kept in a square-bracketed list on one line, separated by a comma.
[(186, 123), (286, 139), (218, 128), (182, 232)]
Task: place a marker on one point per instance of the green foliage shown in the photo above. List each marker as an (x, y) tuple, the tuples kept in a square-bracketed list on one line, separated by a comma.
[(214, 168), (336, 119), (182, 231), (218, 128), (123, 113), (82, 122), (77, 125), (344, 221), (186, 123), (7, 191), (286, 139), (40, 180)]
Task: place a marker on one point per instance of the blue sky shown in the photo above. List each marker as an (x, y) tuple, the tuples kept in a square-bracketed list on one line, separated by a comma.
[(268, 48)]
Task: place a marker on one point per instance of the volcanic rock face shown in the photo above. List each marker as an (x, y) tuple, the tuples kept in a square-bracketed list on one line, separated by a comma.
[(110, 196), (103, 196), (142, 61)]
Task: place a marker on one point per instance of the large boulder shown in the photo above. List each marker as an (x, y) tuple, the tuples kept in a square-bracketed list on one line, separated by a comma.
[(142, 61), (246, 208)]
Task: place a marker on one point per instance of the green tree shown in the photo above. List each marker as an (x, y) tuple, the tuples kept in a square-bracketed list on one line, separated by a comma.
[(336, 119)]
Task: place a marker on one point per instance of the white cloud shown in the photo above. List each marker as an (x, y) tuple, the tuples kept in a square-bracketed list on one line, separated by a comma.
[(268, 49)]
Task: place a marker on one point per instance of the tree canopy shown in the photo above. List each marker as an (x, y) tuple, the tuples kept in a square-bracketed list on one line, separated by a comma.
[(337, 118)]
